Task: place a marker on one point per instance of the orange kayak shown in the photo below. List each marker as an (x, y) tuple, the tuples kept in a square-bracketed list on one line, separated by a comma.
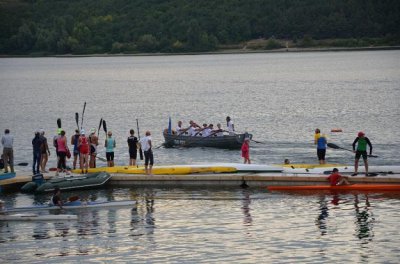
[(353, 187)]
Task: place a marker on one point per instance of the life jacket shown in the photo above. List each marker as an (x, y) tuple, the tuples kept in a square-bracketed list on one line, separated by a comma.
[(84, 146)]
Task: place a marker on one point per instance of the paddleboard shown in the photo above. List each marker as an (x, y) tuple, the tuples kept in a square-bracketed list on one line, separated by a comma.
[(8, 175), (353, 187), (99, 169), (178, 170), (74, 205), (35, 217), (309, 166), (257, 168)]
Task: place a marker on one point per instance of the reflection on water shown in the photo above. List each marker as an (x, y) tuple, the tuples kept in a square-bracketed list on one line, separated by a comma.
[(196, 225), (364, 216)]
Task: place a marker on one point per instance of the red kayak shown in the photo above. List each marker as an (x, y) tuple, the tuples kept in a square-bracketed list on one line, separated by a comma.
[(352, 187)]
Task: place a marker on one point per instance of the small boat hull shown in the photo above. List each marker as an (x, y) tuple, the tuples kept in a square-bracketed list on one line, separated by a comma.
[(75, 182), (36, 217), (226, 141), (8, 175), (75, 205)]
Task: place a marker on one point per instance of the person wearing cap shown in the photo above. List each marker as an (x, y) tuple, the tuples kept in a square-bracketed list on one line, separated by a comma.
[(110, 145), (7, 141), (74, 142), (45, 152), (146, 145), (321, 148), (246, 150), (336, 179), (83, 146), (94, 142), (37, 144), (361, 141)]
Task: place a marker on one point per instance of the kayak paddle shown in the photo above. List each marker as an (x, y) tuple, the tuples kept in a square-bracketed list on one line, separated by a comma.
[(334, 146)]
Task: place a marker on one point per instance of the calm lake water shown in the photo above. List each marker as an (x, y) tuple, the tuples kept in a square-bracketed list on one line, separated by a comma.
[(279, 98)]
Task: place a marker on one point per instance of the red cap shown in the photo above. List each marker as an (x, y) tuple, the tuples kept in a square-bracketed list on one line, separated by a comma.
[(360, 134)]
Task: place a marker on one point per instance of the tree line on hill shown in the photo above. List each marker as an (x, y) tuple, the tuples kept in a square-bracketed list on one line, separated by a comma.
[(132, 26)]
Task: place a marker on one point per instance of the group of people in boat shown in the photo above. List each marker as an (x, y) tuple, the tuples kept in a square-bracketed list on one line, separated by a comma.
[(206, 130)]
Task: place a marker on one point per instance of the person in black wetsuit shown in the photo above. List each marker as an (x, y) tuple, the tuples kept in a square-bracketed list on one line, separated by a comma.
[(133, 146)]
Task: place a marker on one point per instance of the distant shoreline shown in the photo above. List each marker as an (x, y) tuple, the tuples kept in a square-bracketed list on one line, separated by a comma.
[(226, 51)]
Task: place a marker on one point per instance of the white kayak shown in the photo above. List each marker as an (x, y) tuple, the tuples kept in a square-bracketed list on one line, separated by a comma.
[(75, 205), (36, 217), (240, 167)]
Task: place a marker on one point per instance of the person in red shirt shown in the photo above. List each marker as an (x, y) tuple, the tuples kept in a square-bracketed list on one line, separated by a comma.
[(336, 179), (246, 151)]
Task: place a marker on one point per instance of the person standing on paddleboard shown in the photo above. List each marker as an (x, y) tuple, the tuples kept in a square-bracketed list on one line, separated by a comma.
[(110, 145), (362, 141), (133, 146), (148, 153), (8, 153)]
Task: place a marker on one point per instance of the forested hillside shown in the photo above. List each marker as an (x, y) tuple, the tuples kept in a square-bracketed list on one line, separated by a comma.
[(130, 26)]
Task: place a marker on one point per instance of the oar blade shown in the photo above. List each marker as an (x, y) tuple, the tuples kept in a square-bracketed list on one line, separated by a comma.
[(59, 122), (334, 146), (105, 126)]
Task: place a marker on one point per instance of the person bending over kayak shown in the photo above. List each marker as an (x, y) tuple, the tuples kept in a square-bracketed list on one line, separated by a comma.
[(336, 179), (362, 141)]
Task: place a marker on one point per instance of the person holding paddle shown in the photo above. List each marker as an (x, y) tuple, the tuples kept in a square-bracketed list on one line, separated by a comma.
[(320, 141), (94, 142), (110, 145), (148, 153), (45, 152), (362, 141), (133, 146), (83, 146), (74, 142)]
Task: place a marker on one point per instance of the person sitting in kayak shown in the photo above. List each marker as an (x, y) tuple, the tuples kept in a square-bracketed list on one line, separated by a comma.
[(56, 199), (336, 179)]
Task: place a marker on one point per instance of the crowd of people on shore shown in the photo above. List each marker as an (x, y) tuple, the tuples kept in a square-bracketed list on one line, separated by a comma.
[(84, 150)]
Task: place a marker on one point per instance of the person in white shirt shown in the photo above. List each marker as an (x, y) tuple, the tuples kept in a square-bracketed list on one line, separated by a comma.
[(219, 132), (207, 130), (148, 153), (179, 129), (230, 125), (8, 152)]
